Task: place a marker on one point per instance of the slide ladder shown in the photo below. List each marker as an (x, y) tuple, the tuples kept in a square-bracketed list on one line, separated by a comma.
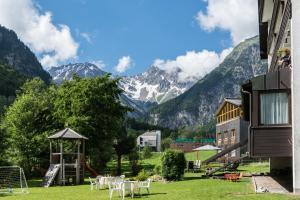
[(225, 151), (225, 166), (51, 174)]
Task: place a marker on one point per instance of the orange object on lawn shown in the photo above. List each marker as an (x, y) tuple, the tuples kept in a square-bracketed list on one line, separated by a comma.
[(233, 177)]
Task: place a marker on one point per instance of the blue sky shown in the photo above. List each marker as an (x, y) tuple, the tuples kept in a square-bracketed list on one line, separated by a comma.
[(131, 33), (142, 29)]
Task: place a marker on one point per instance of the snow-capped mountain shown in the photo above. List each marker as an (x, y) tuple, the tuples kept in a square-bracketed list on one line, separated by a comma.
[(141, 92), (155, 85), (65, 72)]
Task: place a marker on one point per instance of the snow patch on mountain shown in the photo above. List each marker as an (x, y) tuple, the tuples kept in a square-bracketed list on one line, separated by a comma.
[(154, 85)]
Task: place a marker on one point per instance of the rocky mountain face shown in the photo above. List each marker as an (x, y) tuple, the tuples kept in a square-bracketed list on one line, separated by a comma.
[(198, 105), (17, 64), (141, 92), (155, 85), (65, 72), (15, 54)]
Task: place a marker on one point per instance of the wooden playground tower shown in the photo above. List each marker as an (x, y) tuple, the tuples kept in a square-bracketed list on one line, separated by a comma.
[(67, 158)]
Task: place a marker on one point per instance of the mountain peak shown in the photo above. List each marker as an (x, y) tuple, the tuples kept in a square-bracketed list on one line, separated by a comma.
[(65, 72), (155, 85), (17, 55)]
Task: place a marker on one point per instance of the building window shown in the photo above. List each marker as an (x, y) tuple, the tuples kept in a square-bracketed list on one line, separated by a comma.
[(274, 108)]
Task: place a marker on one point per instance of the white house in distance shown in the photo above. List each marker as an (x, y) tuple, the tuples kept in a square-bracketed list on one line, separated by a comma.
[(150, 138)]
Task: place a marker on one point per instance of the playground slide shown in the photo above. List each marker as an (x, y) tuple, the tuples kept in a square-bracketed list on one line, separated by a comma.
[(91, 170), (50, 175)]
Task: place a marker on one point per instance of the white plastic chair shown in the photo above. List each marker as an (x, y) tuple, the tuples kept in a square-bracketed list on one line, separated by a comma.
[(145, 185), (101, 182), (93, 183), (116, 186)]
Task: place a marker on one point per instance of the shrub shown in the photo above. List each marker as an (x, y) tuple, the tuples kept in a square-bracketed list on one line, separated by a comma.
[(173, 165), (147, 153), (156, 178), (142, 176)]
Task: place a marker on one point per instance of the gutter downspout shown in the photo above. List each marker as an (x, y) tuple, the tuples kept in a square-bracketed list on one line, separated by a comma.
[(250, 117)]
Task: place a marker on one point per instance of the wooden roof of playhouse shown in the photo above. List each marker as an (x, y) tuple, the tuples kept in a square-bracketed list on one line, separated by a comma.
[(67, 134), (229, 109)]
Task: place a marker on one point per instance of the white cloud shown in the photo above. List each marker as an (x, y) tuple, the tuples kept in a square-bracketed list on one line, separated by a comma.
[(193, 65), (239, 17), (124, 64), (53, 43), (99, 63), (87, 37)]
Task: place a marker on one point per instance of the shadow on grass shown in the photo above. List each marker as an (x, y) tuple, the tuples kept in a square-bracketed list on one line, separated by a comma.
[(5, 194), (190, 178), (151, 194), (35, 183)]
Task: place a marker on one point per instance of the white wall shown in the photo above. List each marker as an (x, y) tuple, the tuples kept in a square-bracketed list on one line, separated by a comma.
[(295, 33)]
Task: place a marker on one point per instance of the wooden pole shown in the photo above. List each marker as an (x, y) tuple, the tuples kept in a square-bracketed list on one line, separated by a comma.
[(78, 164), (83, 158), (61, 162), (51, 153)]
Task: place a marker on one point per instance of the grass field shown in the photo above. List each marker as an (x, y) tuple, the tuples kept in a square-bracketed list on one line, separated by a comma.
[(191, 188)]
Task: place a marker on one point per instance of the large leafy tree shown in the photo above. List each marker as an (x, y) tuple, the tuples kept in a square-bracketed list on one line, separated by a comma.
[(91, 106), (28, 121)]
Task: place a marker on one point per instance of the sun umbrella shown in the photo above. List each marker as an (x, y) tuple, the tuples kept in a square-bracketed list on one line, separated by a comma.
[(206, 148)]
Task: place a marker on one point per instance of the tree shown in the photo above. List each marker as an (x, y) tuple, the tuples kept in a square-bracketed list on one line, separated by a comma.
[(147, 152), (28, 122), (91, 106), (124, 145), (134, 161), (166, 143), (3, 146)]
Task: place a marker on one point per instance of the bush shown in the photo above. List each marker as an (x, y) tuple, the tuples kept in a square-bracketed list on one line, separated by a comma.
[(173, 165), (142, 176), (147, 152)]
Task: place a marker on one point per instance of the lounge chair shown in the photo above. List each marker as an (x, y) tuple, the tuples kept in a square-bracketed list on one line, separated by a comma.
[(197, 166)]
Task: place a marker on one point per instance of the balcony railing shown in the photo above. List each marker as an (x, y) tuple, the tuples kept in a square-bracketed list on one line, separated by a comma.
[(261, 8), (284, 21), (273, 23)]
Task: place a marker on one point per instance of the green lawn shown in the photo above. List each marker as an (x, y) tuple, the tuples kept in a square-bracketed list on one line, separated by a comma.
[(191, 188)]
